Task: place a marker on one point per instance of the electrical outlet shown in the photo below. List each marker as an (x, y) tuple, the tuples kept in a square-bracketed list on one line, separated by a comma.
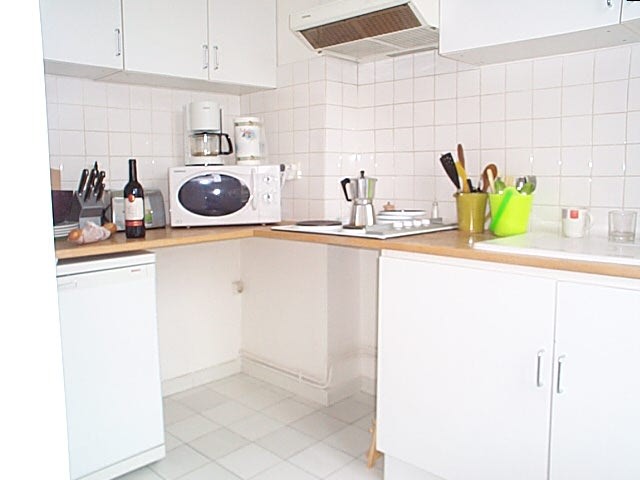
[(292, 171), (238, 286)]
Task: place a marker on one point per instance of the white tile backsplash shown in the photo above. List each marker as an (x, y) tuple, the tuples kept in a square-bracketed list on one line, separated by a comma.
[(612, 64), (578, 69), (519, 76), (547, 72), (610, 97), (577, 100), (93, 121), (492, 79), (572, 120)]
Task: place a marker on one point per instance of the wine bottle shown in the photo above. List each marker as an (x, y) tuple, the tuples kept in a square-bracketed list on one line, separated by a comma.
[(133, 204)]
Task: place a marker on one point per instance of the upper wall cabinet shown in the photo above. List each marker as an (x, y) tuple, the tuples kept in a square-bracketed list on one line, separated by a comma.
[(82, 35), (166, 37), (220, 45), (242, 41), (503, 30), (631, 14)]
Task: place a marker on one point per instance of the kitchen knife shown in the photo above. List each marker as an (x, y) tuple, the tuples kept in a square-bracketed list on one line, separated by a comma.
[(90, 183), (449, 165), (83, 180), (99, 191), (99, 181)]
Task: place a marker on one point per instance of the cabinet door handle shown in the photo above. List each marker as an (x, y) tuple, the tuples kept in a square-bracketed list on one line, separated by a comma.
[(539, 369), (118, 42), (610, 3), (561, 359), (205, 57), (216, 62)]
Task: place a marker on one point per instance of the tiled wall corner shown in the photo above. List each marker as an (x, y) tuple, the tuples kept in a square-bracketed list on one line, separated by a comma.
[(572, 120)]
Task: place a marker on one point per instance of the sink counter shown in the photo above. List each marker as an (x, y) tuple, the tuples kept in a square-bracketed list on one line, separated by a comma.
[(450, 243)]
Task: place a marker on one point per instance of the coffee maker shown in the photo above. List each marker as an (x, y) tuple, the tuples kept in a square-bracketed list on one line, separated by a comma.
[(362, 190), (203, 138)]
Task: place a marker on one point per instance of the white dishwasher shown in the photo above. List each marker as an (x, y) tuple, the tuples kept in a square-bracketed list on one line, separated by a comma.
[(111, 364)]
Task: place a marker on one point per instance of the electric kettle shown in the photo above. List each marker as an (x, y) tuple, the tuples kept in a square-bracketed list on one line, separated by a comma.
[(360, 191)]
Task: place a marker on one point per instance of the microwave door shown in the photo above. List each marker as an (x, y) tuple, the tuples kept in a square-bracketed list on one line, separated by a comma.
[(214, 195)]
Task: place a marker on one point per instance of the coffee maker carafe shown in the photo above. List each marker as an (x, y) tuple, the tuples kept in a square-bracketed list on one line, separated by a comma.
[(204, 134), (362, 190)]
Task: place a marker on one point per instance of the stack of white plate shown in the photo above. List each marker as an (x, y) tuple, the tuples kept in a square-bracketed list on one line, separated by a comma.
[(63, 229), (390, 216)]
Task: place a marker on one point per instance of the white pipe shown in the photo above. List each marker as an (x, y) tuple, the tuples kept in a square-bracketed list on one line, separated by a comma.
[(304, 378), (298, 375)]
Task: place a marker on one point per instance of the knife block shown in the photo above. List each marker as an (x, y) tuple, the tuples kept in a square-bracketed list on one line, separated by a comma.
[(93, 210)]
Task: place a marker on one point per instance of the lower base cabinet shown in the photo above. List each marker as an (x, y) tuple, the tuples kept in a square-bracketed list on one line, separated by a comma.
[(596, 389), (495, 372)]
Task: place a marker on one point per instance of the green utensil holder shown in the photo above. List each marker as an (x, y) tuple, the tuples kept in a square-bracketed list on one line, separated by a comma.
[(509, 213)]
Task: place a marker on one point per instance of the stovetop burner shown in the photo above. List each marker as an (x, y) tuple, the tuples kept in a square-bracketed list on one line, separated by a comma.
[(380, 231)]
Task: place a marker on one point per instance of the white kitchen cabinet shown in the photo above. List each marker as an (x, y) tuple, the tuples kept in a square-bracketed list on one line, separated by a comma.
[(166, 37), (82, 35), (464, 368), (242, 42), (503, 30), (459, 395), (631, 14), (595, 417)]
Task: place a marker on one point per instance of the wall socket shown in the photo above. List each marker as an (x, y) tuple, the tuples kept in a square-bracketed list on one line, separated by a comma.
[(292, 171)]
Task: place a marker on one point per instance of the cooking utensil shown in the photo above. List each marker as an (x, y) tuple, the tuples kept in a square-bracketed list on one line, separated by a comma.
[(99, 181), (362, 191), (83, 180), (486, 181), (530, 184), (91, 180), (449, 165), (519, 183), (461, 156), (489, 183), (99, 191), (470, 184), (463, 177)]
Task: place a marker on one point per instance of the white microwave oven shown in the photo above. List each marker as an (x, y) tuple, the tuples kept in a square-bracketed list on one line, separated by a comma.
[(224, 195)]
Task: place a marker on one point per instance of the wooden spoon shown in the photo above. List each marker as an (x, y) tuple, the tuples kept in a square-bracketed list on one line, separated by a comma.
[(461, 155), (486, 180), (463, 177)]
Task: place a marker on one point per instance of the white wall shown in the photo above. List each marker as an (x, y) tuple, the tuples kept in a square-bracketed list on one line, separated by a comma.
[(199, 313), (308, 309), (284, 306), (572, 120), (33, 411), (92, 121)]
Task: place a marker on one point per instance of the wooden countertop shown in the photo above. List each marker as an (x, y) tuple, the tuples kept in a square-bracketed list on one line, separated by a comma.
[(450, 243)]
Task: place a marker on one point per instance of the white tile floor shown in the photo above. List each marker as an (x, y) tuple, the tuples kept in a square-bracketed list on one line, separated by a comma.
[(243, 428)]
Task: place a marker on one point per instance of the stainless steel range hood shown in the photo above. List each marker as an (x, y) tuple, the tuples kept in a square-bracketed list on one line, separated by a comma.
[(369, 29)]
